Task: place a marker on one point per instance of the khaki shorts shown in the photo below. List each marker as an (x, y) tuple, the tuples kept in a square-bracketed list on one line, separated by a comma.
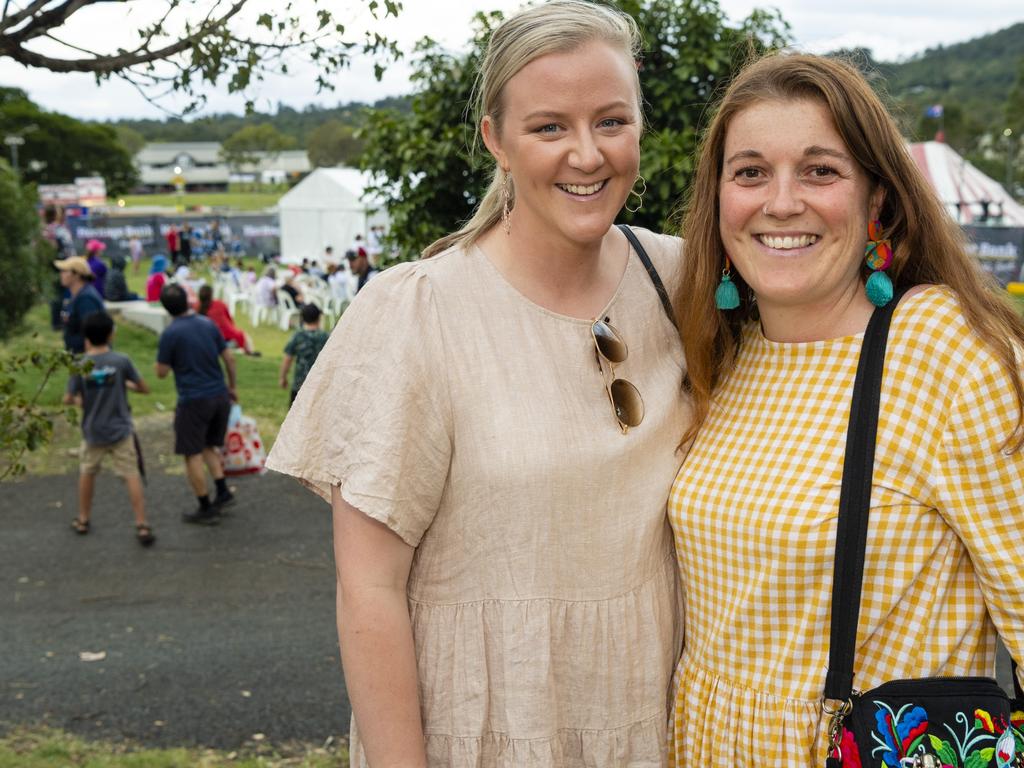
[(122, 454)]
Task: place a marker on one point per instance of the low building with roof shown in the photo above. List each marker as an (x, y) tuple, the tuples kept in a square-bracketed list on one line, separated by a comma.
[(198, 165)]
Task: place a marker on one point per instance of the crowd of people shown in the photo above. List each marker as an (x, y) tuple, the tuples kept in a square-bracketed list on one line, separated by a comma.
[(196, 348)]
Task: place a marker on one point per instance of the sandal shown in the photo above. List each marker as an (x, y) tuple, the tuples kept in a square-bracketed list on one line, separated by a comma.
[(144, 533), (81, 527)]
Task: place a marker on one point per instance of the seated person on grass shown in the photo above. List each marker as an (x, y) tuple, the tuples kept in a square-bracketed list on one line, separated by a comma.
[(107, 422), (220, 315)]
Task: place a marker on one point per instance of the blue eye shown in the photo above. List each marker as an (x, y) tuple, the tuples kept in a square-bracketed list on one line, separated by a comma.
[(611, 122), (549, 128)]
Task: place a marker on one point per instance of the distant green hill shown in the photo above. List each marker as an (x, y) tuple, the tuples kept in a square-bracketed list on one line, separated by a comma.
[(975, 76), (974, 81), (297, 123)]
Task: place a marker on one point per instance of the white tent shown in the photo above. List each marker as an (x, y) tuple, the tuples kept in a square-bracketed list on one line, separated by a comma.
[(327, 208), (963, 188)]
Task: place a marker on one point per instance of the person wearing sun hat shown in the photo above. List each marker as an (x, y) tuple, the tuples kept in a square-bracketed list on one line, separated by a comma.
[(99, 270), (77, 277)]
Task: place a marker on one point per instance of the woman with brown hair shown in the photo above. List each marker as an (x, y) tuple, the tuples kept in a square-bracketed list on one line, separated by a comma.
[(802, 174), (496, 428)]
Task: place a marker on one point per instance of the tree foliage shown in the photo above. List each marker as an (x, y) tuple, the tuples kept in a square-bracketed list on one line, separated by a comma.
[(424, 162), (182, 46), (25, 424), (245, 146), (690, 52), (333, 143), (58, 148), (22, 251)]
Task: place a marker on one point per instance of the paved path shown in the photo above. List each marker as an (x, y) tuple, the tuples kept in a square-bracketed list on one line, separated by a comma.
[(211, 636)]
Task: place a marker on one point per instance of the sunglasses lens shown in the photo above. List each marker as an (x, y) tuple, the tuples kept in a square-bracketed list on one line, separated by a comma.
[(608, 342), (629, 407)]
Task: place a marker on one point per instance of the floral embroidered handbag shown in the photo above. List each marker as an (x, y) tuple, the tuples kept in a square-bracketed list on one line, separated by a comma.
[(933, 722)]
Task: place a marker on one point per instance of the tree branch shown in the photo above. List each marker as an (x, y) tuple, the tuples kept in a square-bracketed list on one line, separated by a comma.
[(16, 19), (105, 65), (43, 22)]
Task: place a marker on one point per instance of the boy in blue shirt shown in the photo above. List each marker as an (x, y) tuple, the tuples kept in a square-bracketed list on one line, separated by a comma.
[(107, 422)]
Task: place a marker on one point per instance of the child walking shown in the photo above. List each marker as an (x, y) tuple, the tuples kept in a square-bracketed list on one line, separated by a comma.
[(303, 348), (107, 422)]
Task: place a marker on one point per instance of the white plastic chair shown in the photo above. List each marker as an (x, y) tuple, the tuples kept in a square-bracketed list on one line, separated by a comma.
[(261, 313), (286, 310)]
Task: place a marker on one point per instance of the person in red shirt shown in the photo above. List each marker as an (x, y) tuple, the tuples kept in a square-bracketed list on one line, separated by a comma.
[(173, 242), (219, 313), (157, 277)]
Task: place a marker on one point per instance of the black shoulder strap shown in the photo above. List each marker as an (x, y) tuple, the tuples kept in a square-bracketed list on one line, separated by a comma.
[(655, 277), (854, 502)]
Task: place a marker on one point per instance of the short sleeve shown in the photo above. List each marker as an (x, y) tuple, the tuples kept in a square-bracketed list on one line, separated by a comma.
[(289, 348), (374, 413), (980, 487), (164, 348), (215, 334), (130, 372)]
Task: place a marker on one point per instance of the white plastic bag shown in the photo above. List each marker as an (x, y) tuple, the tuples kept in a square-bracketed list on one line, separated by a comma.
[(243, 452)]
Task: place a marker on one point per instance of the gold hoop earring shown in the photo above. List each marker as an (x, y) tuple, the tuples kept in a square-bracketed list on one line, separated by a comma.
[(639, 195), (506, 195)]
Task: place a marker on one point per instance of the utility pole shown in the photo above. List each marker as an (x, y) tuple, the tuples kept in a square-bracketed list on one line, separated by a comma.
[(14, 141), (1008, 135)]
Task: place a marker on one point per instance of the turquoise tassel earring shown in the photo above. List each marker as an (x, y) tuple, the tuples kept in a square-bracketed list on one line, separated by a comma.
[(878, 254), (726, 295)]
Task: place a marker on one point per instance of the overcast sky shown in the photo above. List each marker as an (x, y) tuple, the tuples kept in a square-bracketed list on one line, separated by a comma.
[(893, 29)]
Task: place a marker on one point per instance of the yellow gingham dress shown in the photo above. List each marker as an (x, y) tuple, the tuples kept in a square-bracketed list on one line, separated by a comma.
[(754, 512)]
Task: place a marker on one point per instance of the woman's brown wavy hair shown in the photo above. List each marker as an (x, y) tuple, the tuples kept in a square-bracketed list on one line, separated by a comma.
[(928, 245)]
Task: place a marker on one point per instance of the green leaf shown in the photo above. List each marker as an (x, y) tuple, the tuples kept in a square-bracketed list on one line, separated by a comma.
[(944, 750)]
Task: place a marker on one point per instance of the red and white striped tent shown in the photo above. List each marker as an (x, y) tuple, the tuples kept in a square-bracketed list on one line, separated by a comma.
[(963, 188)]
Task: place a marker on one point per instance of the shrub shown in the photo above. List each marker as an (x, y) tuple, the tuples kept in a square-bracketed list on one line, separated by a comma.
[(23, 252)]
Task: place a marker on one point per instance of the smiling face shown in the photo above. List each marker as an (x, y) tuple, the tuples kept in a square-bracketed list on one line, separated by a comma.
[(569, 135), (794, 210)]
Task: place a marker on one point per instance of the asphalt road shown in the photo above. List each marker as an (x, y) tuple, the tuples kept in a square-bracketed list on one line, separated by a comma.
[(210, 637)]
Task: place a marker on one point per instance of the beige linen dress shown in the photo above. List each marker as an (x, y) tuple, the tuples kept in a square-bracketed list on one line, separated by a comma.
[(476, 425)]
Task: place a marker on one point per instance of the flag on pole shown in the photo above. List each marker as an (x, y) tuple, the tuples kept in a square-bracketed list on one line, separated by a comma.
[(935, 110)]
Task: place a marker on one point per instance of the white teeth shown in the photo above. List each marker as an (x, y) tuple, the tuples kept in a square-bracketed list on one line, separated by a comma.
[(578, 189), (788, 242)]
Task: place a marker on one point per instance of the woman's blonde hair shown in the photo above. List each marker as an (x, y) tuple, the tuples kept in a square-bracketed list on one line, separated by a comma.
[(928, 246), (557, 26)]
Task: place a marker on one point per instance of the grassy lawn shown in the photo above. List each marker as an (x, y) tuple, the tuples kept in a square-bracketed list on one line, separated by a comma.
[(258, 390), (46, 748), (239, 201)]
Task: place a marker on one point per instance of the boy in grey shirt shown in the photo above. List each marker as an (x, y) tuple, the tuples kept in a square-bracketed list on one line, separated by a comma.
[(107, 422)]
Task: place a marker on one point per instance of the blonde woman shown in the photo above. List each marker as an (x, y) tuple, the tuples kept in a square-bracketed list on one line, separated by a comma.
[(495, 427)]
